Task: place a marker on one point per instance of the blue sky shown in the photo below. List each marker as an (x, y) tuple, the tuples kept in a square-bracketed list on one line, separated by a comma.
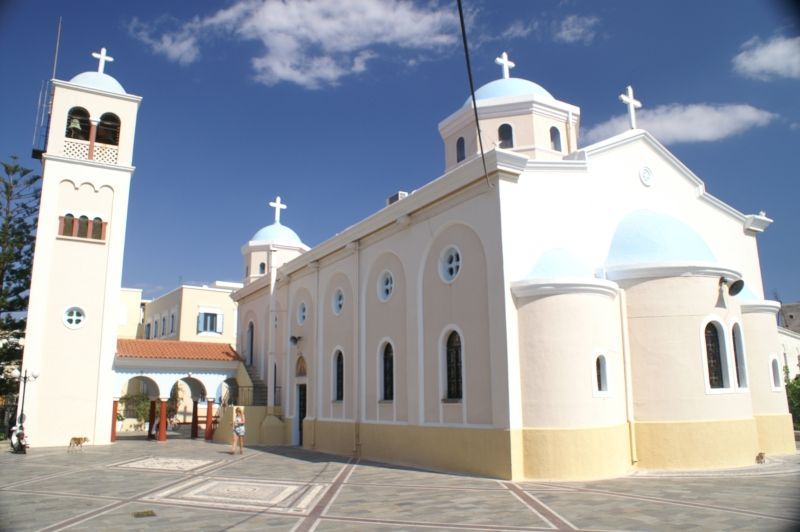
[(334, 105)]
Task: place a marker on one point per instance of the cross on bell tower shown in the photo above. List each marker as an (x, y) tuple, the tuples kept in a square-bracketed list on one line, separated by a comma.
[(278, 206), (504, 62), (633, 105), (103, 59)]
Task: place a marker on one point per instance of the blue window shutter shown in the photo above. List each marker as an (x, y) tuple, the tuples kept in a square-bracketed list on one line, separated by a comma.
[(200, 322), (219, 323)]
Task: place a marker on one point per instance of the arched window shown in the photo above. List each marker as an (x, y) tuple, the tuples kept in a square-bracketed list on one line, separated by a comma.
[(83, 226), (69, 225), (506, 136), (555, 139), (155, 328), (717, 372), (97, 229), (108, 129), (338, 384), (453, 361), (388, 373), (738, 357), (78, 124), (460, 151), (299, 368), (600, 373), (262, 268), (250, 336), (776, 374)]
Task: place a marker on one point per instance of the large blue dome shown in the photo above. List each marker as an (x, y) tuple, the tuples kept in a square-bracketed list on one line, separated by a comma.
[(98, 80), (648, 237), (510, 87), (558, 262), (278, 233)]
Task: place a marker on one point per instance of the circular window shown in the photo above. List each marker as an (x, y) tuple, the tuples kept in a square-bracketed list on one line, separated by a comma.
[(450, 264), (338, 301), (74, 317), (385, 286), (301, 314)]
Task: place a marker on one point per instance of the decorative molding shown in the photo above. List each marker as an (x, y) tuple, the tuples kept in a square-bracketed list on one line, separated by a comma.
[(91, 90), (756, 223), (765, 306), (536, 288), (663, 270), (87, 162)]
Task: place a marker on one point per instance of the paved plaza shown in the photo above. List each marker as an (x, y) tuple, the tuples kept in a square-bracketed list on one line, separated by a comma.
[(195, 485)]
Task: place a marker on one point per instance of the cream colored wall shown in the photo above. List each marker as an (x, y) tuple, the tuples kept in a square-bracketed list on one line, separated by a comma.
[(386, 322), (337, 335), (460, 306), (762, 344), (790, 349), (164, 307), (667, 320), (195, 298), (130, 300), (560, 338)]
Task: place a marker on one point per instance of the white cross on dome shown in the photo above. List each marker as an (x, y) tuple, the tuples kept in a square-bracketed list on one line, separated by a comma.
[(505, 63), (103, 59), (278, 206)]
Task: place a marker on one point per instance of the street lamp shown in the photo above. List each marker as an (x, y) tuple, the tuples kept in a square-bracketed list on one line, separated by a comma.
[(24, 378)]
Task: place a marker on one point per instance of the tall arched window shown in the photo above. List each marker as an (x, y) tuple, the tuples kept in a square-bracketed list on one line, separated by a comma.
[(97, 229), (453, 361), (108, 129), (460, 151), (262, 268), (338, 384), (388, 372), (506, 136), (738, 357), (83, 226), (600, 373), (78, 124), (250, 342), (717, 376), (555, 139), (69, 224)]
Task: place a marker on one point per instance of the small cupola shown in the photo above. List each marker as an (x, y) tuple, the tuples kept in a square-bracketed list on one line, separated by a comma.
[(515, 114), (271, 246)]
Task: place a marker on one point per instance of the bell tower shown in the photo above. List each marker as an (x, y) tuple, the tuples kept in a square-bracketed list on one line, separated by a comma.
[(77, 267)]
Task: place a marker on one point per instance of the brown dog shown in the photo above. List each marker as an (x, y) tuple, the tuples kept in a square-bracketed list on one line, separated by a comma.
[(77, 442)]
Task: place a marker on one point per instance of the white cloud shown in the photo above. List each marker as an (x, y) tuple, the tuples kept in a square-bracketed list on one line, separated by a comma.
[(776, 58), (575, 28), (675, 123), (519, 29), (312, 43)]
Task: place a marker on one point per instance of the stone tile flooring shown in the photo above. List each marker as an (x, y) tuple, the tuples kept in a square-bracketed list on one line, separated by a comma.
[(195, 485)]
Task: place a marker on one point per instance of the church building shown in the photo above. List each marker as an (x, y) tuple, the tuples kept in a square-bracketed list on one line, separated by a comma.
[(547, 311), (539, 311)]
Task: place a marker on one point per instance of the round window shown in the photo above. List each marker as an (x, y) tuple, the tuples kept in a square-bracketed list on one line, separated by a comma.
[(385, 286), (450, 264), (301, 314), (74, 317), (338, 301)]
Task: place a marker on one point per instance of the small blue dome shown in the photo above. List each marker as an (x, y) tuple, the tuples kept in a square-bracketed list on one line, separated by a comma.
[(98, 80), (559, 262), (510, 87), (278, 233), (648, 237)]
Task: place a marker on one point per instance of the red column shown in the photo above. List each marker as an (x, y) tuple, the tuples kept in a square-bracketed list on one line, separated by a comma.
[(209, 430), (162, 422), (92, 138), (150, 434), (114, 422), (194, 419)]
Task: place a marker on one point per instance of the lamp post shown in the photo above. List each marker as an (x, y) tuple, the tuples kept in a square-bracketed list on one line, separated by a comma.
[(24, 378)]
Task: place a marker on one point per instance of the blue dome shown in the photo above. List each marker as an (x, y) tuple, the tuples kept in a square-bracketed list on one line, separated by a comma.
[(559, 262), (510, 87), (98, 80), (278, 233), (648, 237)]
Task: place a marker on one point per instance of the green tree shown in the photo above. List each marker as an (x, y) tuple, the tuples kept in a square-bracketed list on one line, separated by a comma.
[(19, 208), (793, 395)]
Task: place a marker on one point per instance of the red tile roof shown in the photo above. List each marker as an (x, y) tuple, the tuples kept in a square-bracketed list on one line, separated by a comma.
[(171, 349)]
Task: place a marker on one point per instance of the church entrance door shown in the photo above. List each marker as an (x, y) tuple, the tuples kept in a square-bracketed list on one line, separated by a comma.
[(301, 411)]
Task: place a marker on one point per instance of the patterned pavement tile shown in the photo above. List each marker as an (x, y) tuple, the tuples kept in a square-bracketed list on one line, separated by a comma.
[(21, 512), (376, 473)]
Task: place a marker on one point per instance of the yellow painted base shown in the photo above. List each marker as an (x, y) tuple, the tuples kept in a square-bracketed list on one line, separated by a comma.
[(272, 431), (775, 434), (696, 444), (576, 454)]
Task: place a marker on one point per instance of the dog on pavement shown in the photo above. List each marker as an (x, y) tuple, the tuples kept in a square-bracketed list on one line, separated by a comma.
[(76, 442)]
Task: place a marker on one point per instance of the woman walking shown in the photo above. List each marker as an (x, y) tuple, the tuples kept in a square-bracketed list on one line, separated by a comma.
[(238, 430)]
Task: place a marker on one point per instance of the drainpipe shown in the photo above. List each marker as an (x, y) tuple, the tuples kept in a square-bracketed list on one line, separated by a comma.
[(626, 359)]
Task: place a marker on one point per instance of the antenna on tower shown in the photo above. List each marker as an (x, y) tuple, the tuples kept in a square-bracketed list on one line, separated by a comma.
[(41, 113)]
